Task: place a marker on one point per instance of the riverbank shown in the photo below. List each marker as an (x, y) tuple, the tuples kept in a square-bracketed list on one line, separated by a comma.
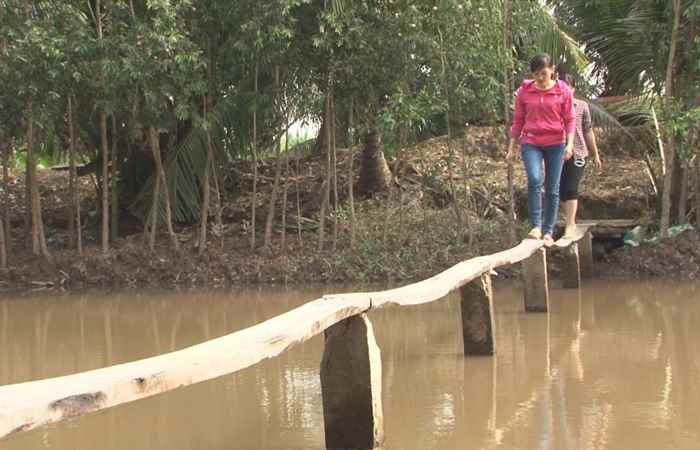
[(410, 232)]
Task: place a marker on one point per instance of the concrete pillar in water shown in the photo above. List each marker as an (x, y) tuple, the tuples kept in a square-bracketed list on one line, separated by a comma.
[(477, 316), (535, 282), (586, 256), (351, 383), (571, 271)]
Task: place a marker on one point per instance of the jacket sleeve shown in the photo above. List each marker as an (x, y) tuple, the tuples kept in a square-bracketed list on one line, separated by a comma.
[(518, 115), (568, 112)]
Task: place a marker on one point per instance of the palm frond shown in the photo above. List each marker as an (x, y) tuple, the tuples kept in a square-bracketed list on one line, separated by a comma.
[(559, 43), (337, 6), (185, 164), (625, 40), (624, 114)]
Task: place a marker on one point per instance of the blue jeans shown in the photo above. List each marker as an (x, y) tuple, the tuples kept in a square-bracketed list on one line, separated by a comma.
[(553, 158)]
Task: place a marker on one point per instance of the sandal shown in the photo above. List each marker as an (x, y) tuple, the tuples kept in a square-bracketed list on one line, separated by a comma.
[(535, 233)]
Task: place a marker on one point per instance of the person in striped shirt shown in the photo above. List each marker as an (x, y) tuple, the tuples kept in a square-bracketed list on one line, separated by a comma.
[(584, 141)]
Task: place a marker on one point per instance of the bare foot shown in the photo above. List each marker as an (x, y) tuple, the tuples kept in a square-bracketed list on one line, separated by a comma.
[(570, 231), (548, 240), (535, 233)]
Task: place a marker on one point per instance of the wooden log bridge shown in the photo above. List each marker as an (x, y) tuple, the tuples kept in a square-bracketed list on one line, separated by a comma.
[(351, 364)]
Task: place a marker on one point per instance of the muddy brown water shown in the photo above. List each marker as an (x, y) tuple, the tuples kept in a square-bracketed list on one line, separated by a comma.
[(613, 366)]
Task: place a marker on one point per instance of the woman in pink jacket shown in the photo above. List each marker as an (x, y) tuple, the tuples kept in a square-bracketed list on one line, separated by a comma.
[(544, 124)]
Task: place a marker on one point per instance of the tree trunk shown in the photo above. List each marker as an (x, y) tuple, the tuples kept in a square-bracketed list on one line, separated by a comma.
[(28, 204), (285, 189), (697, 191), (155, 147), (104, 150), (375, 175), (351, 169), (37, 230), (683, 195), (659, 141), (3, 248), (671, 148), (298, 176), (692, 102), (75, 225), (5, 216), (105, 181), (507, 102), (467, 193), (218, 206), (30, 181), (341, 122), (321, 140), (450, 148), (276, 184), (115, 178), (71, 176), (204, 210), (326, 187), (152, 222), (334, 163), (3, 213), (255, 158)]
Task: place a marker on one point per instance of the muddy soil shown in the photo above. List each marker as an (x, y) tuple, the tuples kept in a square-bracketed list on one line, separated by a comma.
[(404, 235)]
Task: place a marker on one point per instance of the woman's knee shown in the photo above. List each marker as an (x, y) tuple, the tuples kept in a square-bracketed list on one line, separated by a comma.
[(535, 180)]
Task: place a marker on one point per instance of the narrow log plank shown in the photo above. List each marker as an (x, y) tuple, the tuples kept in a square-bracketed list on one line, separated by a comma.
[(585, 253), (26, 406), (535, 282), (615, 228), (477, 316), (351, 386), (581, 232), (440, 285), (30, 405)]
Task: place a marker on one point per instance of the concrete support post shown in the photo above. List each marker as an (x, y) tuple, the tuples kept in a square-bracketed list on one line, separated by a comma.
[(571, 271), (477, 316), (351, 383), (586, 257), (536, 283)]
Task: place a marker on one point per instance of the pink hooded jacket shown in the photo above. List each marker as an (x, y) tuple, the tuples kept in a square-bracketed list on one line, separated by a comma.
[(543, 118)]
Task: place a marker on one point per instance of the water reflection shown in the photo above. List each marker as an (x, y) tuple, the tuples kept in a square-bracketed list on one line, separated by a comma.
[(615, 365)]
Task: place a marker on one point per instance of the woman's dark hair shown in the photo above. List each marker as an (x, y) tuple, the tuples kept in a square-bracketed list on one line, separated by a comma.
[(570, 80), (539, 62)]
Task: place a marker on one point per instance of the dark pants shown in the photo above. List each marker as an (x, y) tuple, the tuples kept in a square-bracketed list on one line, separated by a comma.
[(570, 179)]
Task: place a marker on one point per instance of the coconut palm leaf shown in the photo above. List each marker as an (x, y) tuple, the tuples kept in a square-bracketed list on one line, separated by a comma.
[(185, 164), (559, 43), (625, 40)]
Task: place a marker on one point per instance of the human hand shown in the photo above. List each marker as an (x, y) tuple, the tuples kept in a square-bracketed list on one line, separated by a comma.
[(568, 152), (598, 163)]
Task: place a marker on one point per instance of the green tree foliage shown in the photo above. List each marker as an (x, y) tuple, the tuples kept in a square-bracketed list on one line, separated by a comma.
[(160, 58)]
